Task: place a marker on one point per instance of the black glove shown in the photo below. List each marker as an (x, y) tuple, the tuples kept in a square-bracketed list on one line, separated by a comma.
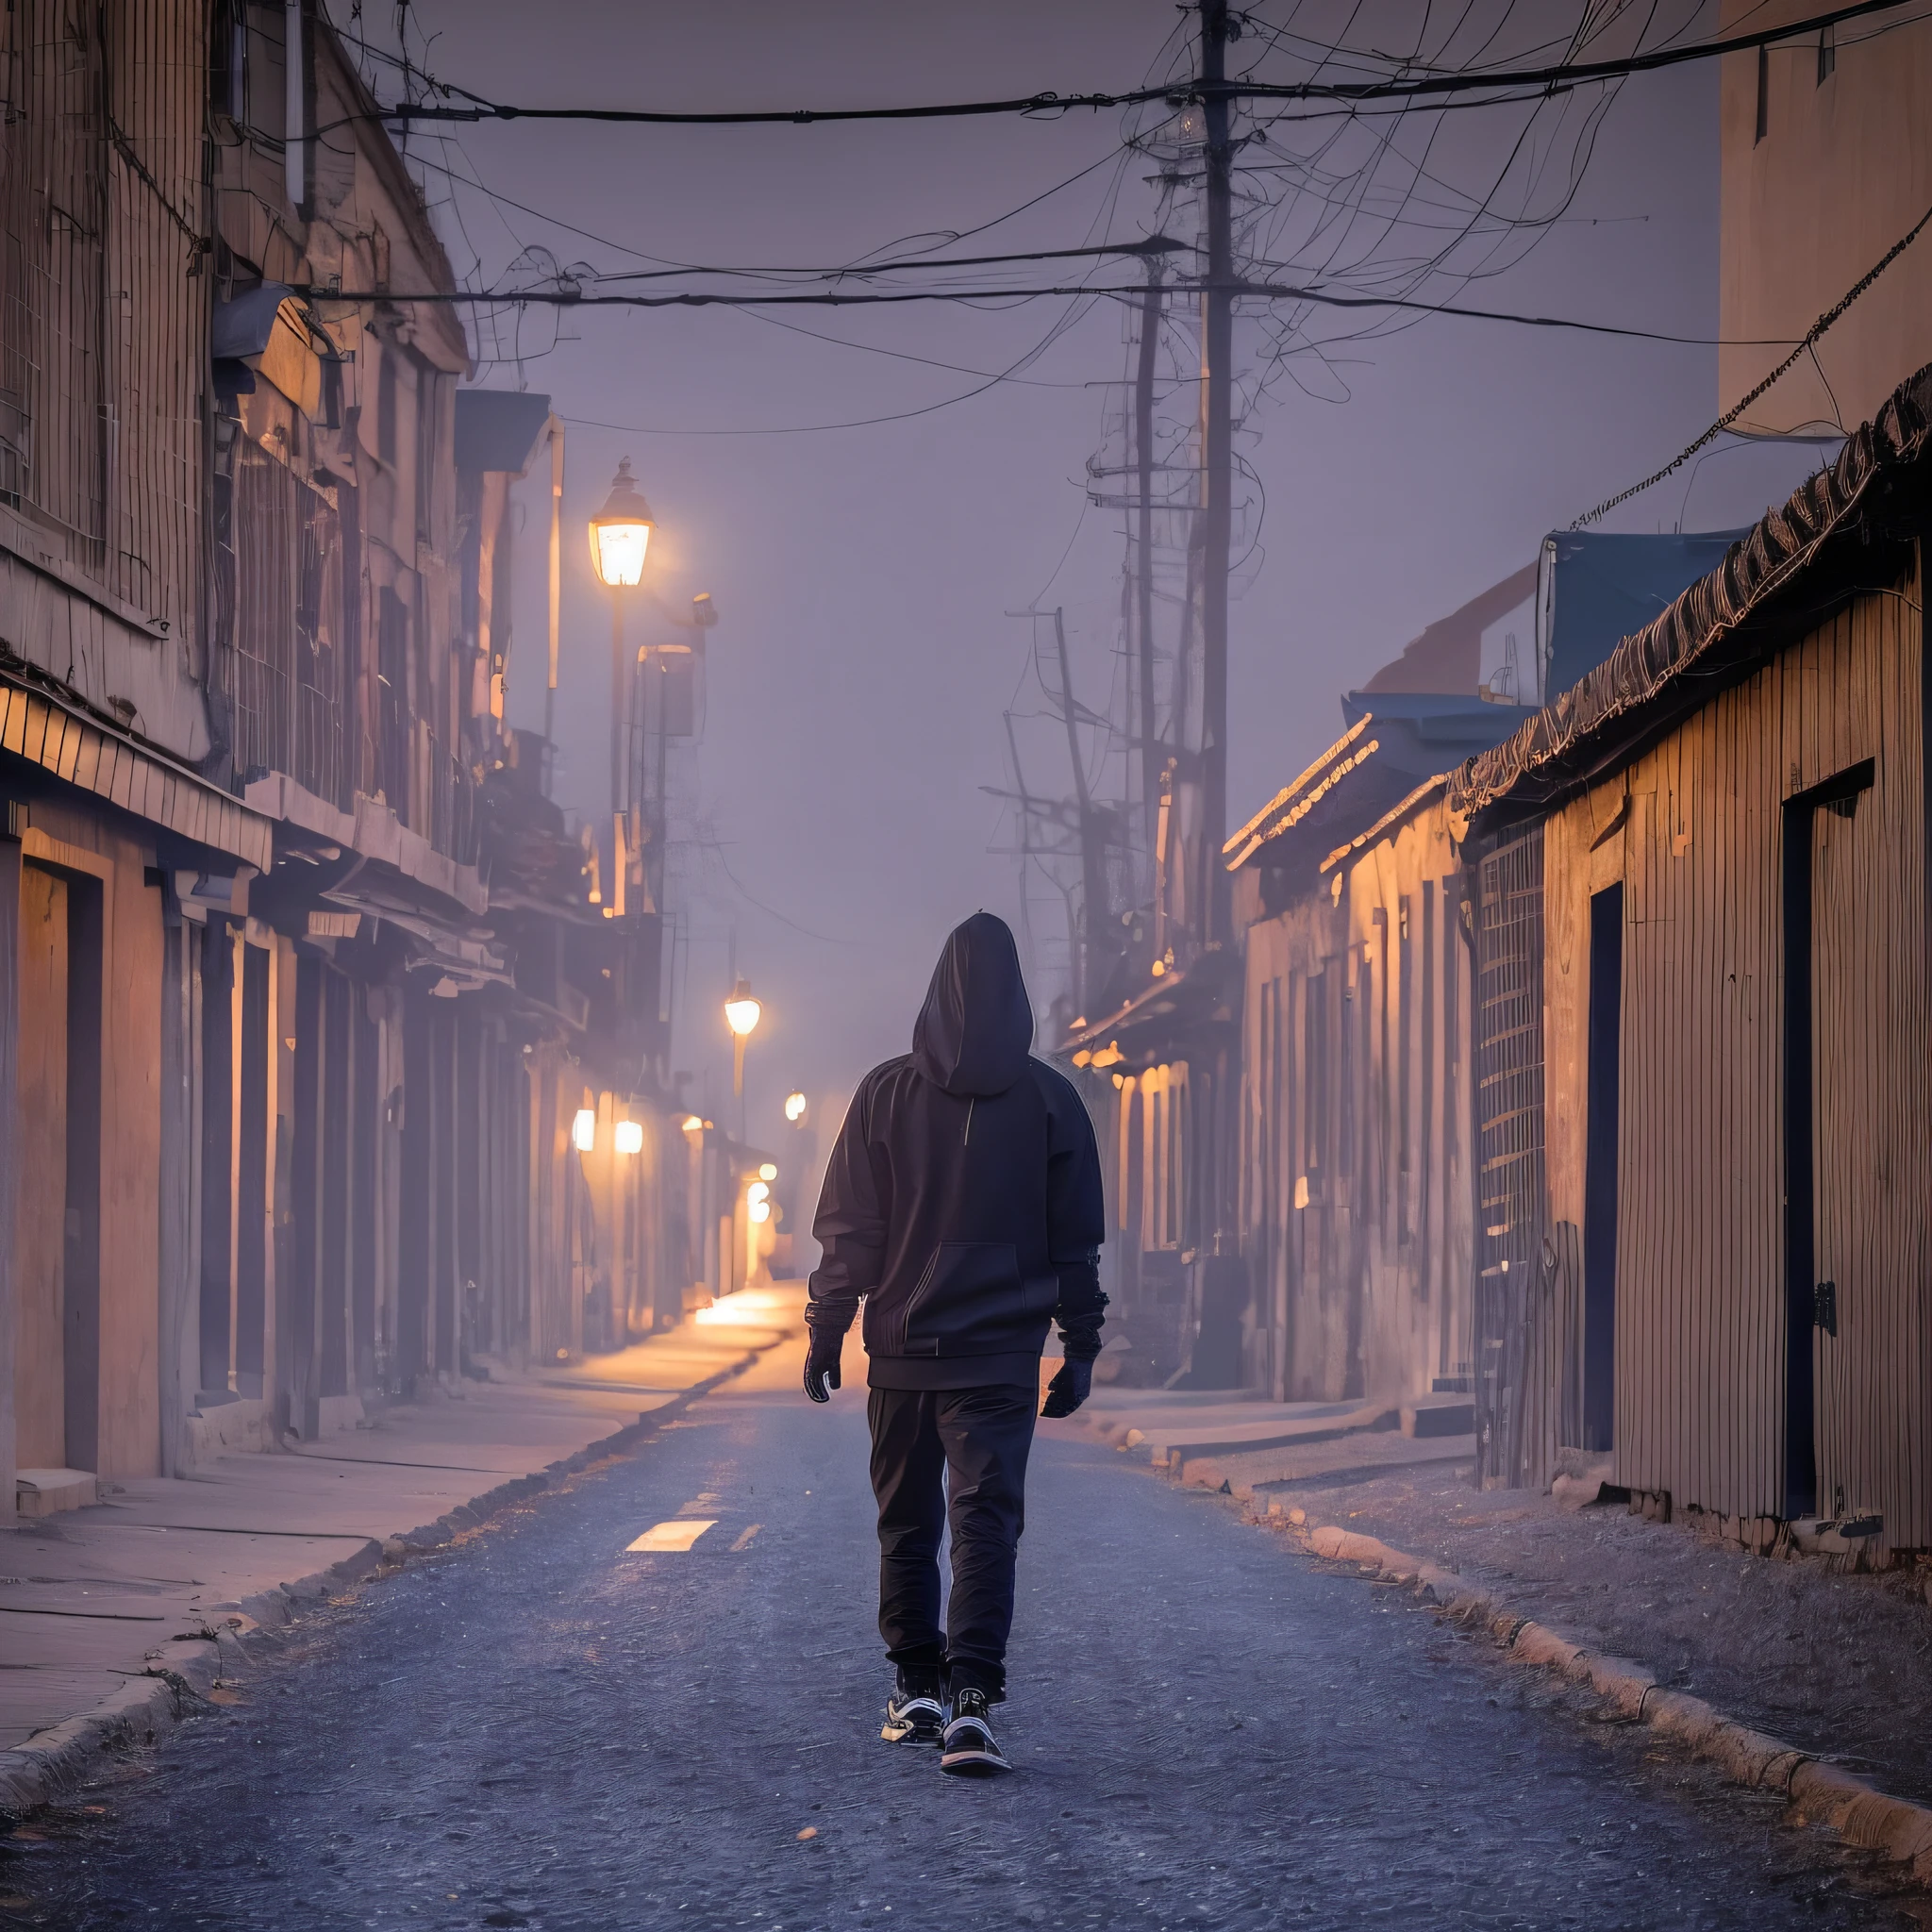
[(822, 1365), (1068, 1389)]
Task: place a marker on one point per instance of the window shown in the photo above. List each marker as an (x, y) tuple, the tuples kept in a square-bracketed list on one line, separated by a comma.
[(393, 700), (386, 404), (228, 61), (428, 395), (1763, 94), (1827, 53)]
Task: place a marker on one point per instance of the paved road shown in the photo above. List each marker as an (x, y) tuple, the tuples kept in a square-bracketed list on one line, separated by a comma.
[(541, 1730)]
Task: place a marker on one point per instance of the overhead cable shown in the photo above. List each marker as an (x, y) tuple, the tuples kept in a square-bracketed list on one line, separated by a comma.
[(1177, 93), (1153, 245), (1744, 402), (694, 298)]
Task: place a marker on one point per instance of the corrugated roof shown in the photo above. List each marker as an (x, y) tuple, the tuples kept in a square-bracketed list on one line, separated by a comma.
[(1711, 628), (40, 728)]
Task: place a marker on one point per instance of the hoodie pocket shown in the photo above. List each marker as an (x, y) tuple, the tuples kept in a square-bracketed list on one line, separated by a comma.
[(970, 1300)]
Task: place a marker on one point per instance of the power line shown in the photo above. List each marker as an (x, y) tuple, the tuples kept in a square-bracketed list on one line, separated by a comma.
[(693, 298), (1744, 402), (1174, 94), (1153, 245)]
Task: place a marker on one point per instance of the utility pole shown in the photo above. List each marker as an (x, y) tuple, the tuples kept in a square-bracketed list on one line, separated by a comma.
[(619, 742), (1144, 560), (1095, 910), (1217, 466), (556, 594)]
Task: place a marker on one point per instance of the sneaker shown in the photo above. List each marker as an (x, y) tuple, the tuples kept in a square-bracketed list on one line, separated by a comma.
[(971, 1750), (913, 1720)]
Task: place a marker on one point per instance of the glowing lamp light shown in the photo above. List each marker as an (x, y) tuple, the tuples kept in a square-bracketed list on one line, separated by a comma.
[(583, 1130), (621, 532), (760, 1211), (794, 1106), (630, 1137), (742, 1012), (758, 1191), (692, 1124), (769, 1172)]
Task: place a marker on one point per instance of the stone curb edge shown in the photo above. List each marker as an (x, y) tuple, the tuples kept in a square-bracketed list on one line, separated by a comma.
[(147, 1707), (1858, 1811)]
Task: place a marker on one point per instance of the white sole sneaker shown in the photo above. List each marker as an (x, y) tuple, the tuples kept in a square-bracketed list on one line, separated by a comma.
[(970, 1750), (914, 1721)]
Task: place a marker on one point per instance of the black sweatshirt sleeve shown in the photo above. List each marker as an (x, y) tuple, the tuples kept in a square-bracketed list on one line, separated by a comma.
[(1076, 1221), (850, 1226)]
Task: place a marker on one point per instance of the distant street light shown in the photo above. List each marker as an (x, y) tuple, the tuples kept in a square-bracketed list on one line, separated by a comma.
[(769, 1172), (741, 1013), (794, 1108), (583, 1130), (630, 1137)]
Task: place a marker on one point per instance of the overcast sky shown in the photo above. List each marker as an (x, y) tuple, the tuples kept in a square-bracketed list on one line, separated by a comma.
[(864, 577)]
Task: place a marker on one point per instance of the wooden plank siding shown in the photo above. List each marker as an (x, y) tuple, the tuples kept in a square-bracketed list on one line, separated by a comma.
[(1356, 1184), (1695, 830)]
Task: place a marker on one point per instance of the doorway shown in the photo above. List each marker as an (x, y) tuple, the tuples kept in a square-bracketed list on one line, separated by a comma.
[(1600, 1168), (1829, 947), (57, 1232)]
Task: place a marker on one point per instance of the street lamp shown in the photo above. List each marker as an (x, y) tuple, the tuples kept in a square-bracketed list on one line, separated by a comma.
[(619, 538), (630, 1137), (621, 532), (741, 1013), (794, 1108), (583, 1130)]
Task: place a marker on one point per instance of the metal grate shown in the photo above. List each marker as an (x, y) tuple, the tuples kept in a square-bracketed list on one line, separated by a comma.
[(286, 652), (1515, 1267)]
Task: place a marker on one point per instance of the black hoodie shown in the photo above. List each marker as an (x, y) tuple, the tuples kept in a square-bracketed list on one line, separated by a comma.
[(962, 1200)]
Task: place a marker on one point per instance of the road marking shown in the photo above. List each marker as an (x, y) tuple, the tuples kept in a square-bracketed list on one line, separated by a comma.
[(744, 1542), (680, 1535)]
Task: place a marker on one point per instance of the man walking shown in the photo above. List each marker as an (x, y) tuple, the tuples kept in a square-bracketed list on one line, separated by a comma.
[(963, 1205)]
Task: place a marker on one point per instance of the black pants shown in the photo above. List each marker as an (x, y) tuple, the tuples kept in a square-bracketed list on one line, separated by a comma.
[(950, 1458)]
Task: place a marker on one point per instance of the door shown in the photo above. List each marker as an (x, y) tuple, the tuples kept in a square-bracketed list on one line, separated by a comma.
[(1868, 1260), (1600, 1168), (40, 1228)]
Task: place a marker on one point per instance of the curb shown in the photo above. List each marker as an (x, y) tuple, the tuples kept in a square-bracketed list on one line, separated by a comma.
[(1858, 1811), (148, 1707)]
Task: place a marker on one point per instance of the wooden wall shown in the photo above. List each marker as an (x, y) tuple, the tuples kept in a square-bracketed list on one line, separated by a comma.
[(1695, 830), (1357, 1190)]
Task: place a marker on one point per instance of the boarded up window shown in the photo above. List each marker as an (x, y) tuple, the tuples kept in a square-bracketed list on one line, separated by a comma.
[(287, 642), (52, 205)]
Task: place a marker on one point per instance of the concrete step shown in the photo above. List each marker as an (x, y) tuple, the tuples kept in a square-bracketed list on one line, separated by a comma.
[(1439, 1415), (1180, 1442), (48, 1492)]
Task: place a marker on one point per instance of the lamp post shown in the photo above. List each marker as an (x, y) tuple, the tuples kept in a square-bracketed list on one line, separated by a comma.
[(741, 1013), (620, 539)]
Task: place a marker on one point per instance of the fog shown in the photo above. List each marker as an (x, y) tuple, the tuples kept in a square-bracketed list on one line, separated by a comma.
[(865, 656)]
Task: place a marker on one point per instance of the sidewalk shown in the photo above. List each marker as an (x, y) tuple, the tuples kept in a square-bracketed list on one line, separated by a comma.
[(1245, 1447), (109, 1614)]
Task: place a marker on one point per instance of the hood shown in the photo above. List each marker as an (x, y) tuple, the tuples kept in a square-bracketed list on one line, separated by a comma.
[(973, 1032)]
